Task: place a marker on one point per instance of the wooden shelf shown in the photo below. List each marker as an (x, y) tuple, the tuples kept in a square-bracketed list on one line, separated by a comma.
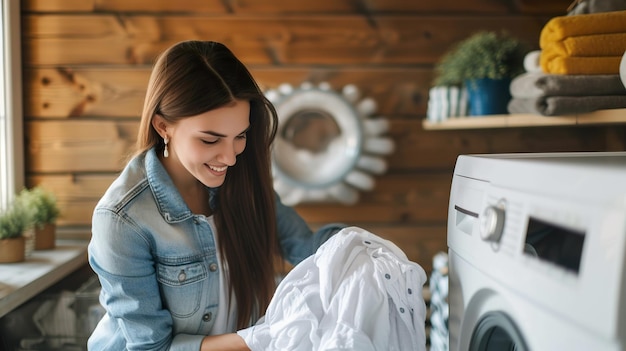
[(528, 120), (21, 281)]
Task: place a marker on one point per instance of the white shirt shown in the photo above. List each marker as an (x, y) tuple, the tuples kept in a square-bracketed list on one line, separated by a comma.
[(357, 292), (226, 319)]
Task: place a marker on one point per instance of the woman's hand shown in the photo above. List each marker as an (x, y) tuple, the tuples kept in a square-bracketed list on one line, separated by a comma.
[(224, 342)]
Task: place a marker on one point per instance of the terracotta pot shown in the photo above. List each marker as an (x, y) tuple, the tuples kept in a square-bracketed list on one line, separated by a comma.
[(12, 250), (45, 237)]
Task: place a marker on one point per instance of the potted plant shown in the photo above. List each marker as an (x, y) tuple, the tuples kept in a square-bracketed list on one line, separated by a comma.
[(447, 96), (485, 63), (43, 210), (13, 222)]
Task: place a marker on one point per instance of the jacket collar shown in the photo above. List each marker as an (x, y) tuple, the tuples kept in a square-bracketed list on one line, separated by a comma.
[(168, 200)]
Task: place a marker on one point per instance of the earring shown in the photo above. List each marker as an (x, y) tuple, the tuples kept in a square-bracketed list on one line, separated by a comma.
[(166, 152)]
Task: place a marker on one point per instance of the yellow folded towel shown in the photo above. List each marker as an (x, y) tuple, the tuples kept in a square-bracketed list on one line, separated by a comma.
[(561, 27), (588, 45), (581, 65)]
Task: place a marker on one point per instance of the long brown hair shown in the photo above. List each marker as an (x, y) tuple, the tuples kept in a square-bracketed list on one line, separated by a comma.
[(193, 77)]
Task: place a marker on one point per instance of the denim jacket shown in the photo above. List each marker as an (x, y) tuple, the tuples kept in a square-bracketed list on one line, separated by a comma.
[(157, 261)]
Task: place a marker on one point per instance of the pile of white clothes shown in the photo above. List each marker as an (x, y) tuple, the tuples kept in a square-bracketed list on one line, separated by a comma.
[(357, 292)]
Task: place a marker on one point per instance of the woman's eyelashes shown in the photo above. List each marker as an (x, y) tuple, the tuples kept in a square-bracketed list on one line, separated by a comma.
[(211, 142)]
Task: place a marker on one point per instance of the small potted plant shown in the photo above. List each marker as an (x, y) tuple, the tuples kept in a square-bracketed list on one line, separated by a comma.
[(13, 222), (43, 210), (485, 63)]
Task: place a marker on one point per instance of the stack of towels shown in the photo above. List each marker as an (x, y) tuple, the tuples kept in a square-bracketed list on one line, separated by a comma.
[(445, 102), (584, 44), (577, 68)]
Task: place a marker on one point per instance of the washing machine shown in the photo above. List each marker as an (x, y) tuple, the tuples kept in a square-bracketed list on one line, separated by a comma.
[(536, 246)]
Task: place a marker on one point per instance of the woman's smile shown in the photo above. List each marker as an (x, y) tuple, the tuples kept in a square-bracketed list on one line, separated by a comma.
[(218, 170)]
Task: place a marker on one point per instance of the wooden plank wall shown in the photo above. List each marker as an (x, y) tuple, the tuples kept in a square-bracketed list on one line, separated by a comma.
[(86, 66)]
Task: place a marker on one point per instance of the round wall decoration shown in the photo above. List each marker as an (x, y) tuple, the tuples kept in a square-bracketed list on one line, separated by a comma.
[(328, 143)]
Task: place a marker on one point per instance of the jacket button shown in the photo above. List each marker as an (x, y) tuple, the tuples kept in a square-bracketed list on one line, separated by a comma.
[(182, 276), (207, 317), (213, 267)]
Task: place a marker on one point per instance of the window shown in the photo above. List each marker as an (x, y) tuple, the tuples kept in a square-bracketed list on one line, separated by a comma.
[(11, 120)]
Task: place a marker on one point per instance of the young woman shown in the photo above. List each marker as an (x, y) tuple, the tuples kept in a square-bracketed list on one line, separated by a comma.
[(185, 239)]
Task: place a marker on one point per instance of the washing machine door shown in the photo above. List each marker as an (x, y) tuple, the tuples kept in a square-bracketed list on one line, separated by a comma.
[(496, 331)]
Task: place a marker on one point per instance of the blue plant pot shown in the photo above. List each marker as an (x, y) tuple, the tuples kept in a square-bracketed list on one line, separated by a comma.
[(488, 96)]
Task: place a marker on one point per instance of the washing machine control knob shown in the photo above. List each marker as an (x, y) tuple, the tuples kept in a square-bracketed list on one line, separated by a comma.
[(492, 223)]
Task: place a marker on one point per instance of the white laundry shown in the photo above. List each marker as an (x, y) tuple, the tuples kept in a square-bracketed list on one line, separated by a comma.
[(358, 292)]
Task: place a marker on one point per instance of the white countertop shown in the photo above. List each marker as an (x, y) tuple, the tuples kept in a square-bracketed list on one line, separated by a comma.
[(21, 281)]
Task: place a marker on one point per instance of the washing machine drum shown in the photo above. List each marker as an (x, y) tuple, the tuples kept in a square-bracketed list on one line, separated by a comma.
[(496, 331)]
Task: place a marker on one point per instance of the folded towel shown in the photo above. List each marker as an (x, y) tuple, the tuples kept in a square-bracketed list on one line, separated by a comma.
[(559, 28), (593, 6), (565, 105), (580, 65), (446, 101), (531, 61), (587, 45), (534, 85)]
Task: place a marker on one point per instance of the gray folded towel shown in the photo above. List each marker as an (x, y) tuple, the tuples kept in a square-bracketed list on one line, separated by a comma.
[(565, 105), (534, 84), (580, 7)]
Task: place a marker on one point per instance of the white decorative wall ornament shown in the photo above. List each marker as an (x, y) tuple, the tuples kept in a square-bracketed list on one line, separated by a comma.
[(328, 144), (622, 69)]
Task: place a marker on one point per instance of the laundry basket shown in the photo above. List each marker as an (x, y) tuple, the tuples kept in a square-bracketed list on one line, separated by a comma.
[(59, 321), (88, 309)]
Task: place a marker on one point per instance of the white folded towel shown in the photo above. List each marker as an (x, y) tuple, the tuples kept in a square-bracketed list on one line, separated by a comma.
[(445, 102), (531, 61)]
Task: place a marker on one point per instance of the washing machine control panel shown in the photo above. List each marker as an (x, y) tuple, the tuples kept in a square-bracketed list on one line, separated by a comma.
[(492, 223)]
